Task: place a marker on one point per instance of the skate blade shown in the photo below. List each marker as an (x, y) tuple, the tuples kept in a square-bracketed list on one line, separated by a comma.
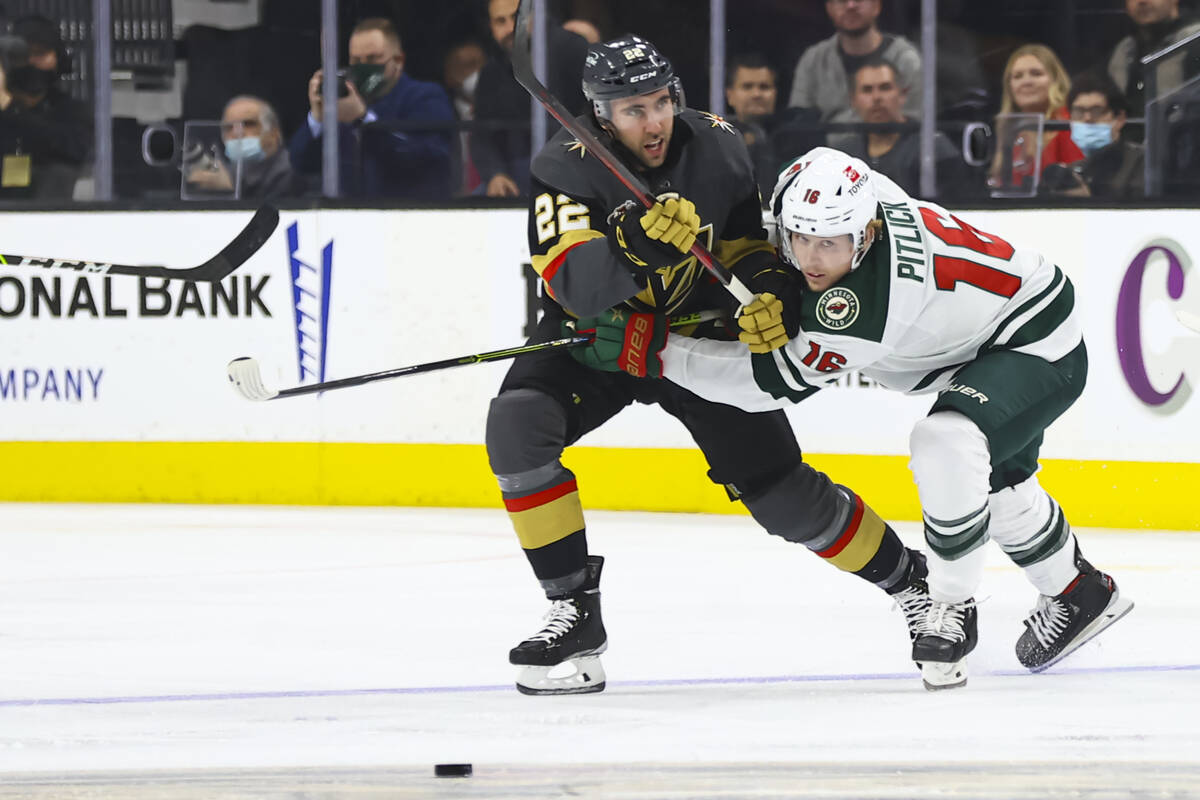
[(939, 675), (1117, 608), (586, 676)]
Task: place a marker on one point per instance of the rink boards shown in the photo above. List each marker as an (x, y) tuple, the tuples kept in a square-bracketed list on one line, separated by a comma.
[(114, 389)]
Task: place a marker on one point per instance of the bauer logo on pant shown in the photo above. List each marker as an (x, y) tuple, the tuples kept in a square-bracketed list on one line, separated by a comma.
[(837, 308)]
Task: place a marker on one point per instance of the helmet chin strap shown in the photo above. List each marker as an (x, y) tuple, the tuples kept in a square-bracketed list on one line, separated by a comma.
[(868, 240)]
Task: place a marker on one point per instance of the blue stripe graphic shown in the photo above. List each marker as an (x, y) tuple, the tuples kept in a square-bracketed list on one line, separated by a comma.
[(311, 309)]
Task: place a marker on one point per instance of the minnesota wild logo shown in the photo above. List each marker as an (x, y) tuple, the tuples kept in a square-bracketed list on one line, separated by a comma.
[(837, 308)]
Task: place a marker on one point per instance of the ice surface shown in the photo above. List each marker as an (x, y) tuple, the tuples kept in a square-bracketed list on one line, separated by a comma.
[(209, 651)]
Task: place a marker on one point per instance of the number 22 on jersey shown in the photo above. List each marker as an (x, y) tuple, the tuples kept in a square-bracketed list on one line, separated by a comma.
[(949, 271), (572, 216)]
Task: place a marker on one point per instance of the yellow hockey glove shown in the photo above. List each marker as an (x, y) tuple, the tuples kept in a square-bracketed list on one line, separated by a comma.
[(672, 220), (651, 239), (762, 324)]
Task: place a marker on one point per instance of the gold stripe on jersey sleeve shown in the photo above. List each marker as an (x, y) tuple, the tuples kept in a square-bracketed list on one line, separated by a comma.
[(731, 251), (564, 243)]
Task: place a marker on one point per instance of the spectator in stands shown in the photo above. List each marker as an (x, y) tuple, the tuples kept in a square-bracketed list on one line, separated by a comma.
[(46, 133), (377, 158), (252, 139), (878, 98), (750, 94), (1113, 167), (502, 156), (1035, 82), (585, 28), (1156, 24), (822, 78), (460, 76), (750, 88)]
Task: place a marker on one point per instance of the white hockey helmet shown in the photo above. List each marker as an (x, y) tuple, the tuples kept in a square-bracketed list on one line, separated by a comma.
[(824, 193)]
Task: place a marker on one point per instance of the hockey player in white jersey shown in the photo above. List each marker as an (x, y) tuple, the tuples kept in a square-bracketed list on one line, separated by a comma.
[(919, 300)]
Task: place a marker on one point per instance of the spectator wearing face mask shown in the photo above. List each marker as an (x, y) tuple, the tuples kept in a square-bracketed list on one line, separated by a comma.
[(252, 142), (460, 76), (1112, 167), (47, 134), (378, 159)]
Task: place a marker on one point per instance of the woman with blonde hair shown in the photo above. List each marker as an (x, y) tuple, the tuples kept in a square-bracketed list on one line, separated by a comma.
[(1035, 82)]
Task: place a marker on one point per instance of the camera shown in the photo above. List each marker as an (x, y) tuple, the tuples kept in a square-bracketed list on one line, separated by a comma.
[(1059, 178), (343, 76), (13, 53)]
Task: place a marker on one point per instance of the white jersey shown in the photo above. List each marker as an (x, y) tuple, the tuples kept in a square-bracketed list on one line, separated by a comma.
[(932, 294)]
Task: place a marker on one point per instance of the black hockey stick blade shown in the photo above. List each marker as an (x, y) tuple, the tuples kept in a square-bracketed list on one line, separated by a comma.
[(247, 380), (522, 62), (232, 256)]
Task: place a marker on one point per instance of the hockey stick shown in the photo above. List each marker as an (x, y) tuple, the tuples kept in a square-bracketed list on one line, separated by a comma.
[(1189, 319), (246, 377), (232, 256), (523, 71)]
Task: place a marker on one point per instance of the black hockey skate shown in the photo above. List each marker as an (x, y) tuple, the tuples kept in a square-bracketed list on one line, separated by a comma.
[(947, 634), (1059, 625), (574, 635), (912, 596)]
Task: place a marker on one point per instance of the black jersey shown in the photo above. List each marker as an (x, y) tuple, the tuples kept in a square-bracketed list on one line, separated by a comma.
[(574, 194)]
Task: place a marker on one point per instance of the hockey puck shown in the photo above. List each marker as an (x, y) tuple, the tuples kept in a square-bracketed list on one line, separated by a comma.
[(452, 770)]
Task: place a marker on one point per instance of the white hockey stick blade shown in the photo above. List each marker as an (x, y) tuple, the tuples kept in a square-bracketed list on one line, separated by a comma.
[(247, 380), (1189, 319)]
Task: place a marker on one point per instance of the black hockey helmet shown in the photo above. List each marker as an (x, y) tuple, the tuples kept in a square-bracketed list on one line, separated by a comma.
[(627, 67)]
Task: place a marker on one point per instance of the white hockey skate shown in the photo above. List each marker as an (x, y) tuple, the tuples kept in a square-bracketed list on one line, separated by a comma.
[(582, 674)]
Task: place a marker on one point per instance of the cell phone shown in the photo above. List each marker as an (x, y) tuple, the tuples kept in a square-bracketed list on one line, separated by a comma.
[(343, 76)]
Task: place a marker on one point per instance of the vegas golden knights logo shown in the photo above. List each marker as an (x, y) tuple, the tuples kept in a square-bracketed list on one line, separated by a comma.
[(676, 281)]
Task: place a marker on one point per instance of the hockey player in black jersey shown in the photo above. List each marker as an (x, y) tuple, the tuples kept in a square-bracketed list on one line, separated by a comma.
[(595, 249)]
